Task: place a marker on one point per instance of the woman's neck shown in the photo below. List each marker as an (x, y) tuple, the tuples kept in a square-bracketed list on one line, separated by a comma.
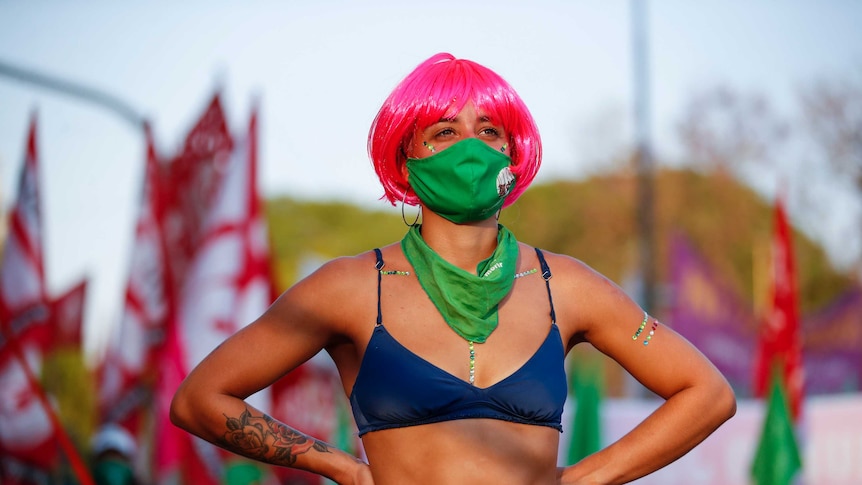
[(463, 245)]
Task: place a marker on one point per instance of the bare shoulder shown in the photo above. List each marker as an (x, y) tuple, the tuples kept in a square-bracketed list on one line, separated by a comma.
[(585, 299), (332, 296), (576, 279)]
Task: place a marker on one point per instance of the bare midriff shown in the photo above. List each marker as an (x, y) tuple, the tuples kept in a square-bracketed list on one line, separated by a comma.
[(467, 451)]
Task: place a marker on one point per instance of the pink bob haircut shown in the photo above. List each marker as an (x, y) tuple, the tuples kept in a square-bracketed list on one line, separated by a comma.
[(438, 89)]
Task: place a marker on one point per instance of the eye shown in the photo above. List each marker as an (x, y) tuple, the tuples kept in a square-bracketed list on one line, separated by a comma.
[(445, 132), (490, 131)]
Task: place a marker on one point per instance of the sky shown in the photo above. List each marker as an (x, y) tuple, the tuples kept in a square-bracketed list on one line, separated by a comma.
[(320, 70)]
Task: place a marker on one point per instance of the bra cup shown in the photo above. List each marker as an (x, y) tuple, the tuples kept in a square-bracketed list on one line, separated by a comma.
[(397, 388)]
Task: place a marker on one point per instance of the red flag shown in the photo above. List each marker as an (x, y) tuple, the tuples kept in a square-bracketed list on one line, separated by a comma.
[(780, 336), (309, 396), (190, 182), (26, 430), (225, 282), (67, 317), (22, 281), (127, 374), (228, 282)]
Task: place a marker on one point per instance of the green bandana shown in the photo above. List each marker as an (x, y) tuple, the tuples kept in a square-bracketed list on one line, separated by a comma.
[(467, 301)]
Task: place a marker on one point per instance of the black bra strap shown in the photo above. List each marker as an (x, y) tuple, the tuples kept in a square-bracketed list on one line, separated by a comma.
[(546, 274), (379, 267)]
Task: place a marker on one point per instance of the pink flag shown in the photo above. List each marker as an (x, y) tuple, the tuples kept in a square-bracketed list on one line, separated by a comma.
[(26, 430), (780, 336), (127, 374)]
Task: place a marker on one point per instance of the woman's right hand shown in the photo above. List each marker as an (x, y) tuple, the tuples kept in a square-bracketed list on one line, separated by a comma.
[(361, 475)]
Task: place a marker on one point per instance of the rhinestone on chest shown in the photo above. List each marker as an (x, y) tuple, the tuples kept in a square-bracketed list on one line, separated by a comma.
[(473, 348)]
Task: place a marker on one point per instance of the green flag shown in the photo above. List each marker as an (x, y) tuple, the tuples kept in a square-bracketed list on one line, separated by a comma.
[(344, 433), (777, 460), (586, 382), (345, 430), (241, 471)]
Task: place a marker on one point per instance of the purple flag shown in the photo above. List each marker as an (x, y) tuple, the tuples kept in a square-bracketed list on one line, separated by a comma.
[(706, 311), (833, 346)]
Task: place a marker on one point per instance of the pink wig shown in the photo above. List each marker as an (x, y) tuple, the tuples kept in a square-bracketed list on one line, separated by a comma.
[(437, 89)]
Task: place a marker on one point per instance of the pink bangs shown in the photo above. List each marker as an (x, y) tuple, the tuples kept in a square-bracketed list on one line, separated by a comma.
[(439, 88)]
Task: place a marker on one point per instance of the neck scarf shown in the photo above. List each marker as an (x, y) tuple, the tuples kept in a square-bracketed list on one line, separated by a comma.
[(468, 302)]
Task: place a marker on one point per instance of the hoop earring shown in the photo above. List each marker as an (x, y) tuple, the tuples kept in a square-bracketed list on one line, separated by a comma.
[(404, 217)]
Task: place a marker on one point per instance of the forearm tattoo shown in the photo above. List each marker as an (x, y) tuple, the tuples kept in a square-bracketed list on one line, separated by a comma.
[(265, 439)]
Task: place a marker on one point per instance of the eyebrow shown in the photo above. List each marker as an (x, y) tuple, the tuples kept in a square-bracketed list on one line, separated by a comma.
[(483, 119)]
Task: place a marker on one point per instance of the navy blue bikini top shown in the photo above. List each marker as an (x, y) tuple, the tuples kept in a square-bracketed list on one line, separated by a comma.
[(396, 388)]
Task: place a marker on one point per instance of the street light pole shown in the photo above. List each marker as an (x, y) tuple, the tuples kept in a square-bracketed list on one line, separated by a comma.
[(76, 90), (643, 156)]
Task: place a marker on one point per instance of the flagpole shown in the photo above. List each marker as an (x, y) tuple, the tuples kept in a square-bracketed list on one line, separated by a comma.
[(75, 460)]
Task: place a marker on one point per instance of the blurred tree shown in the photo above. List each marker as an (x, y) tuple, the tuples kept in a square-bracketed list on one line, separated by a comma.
[(725, 219), (832, 118), (723, 129), (323, 230)]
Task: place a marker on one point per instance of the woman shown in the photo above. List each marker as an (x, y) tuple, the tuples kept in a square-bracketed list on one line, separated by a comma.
[(451, 343)]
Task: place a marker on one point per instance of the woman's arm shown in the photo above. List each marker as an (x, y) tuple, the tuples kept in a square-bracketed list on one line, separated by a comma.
[(210, 401), (697, 397)]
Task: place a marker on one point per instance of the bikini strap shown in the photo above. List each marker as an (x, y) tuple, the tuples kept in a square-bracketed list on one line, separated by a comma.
[(379, 267), (546, 275)]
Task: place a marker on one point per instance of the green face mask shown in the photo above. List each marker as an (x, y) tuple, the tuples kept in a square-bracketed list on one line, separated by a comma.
[(467, 182), (114, 472)]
